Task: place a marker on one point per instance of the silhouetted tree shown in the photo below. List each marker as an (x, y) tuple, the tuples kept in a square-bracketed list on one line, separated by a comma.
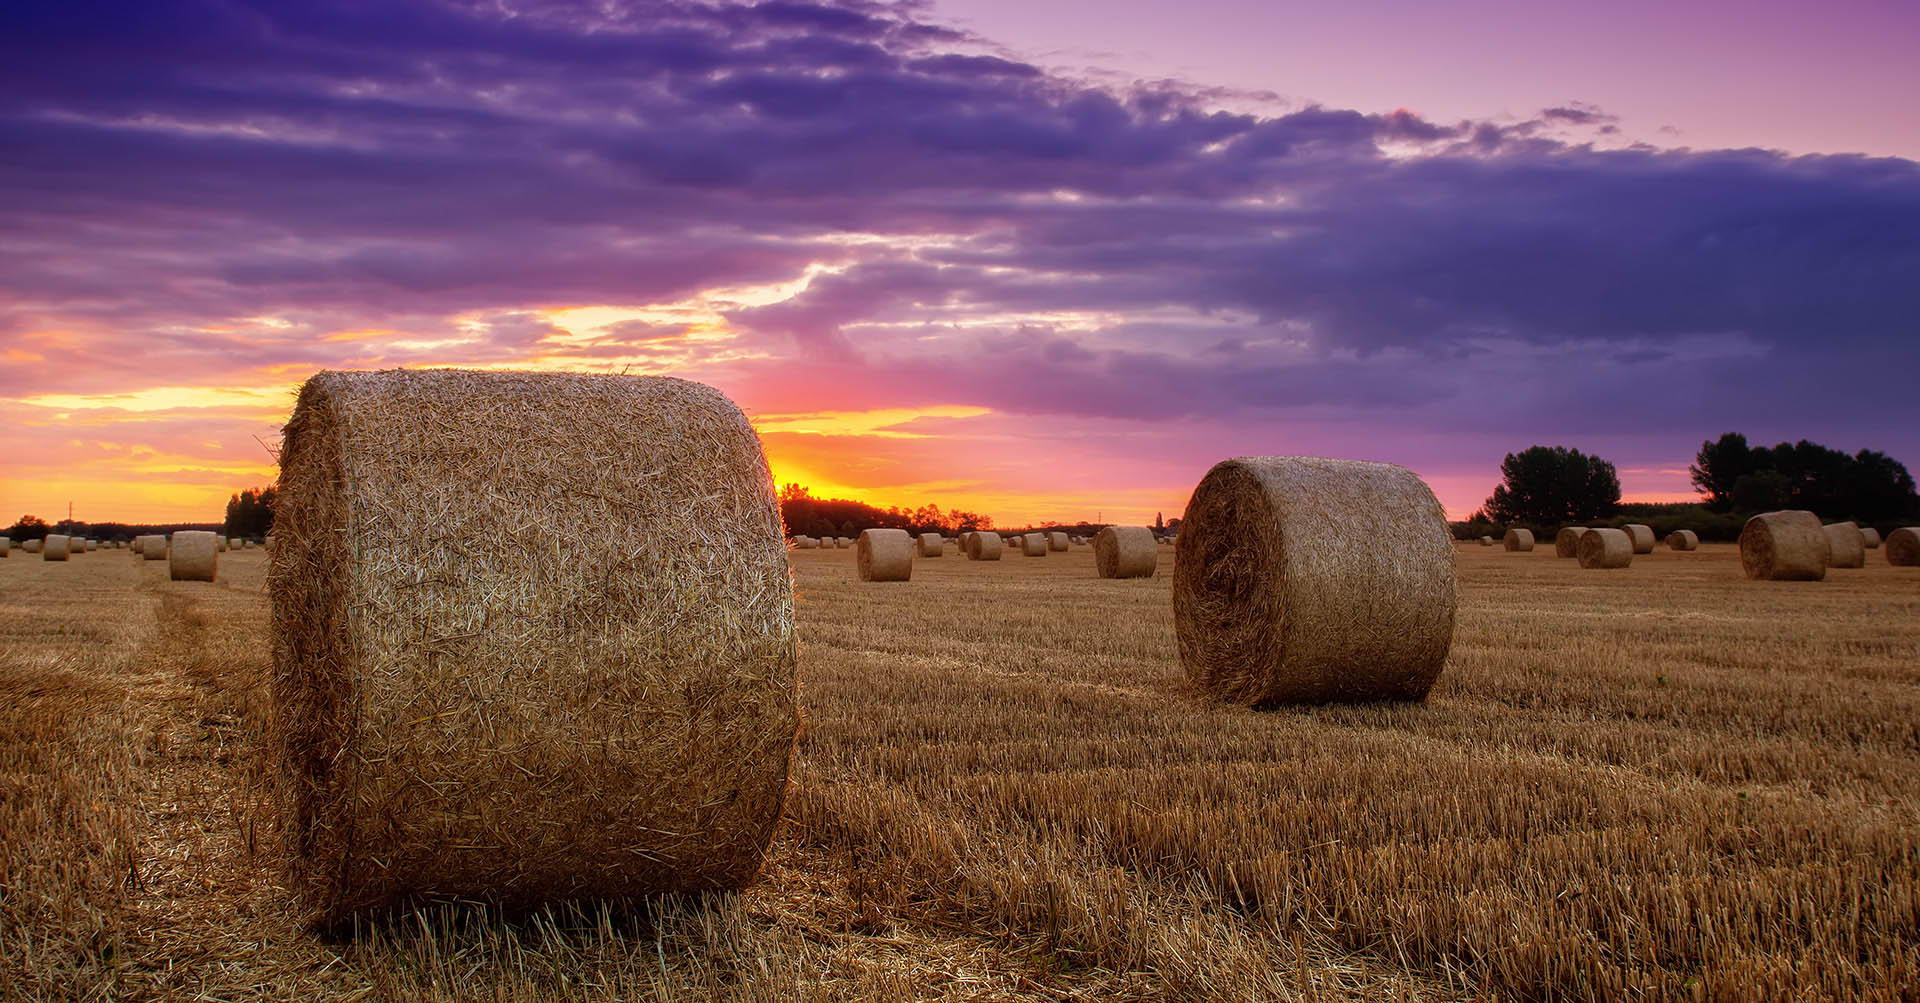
[(1553, 486), (250, 513), (1868, 486), (29, 527)]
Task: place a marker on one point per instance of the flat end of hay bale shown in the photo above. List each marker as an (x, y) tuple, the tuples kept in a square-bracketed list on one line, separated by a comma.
[(884, 555), (1125, 552), (1787, 546)]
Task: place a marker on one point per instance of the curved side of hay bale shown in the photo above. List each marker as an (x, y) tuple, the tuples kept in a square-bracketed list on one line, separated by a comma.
[(1057, 542), (33, 546), (884, 555), (1642, 537), (194, 557), (1310, 580), (220, 544), (1605, 548), (533, 640), (1125, 552), (1683, 539), (1903, 547), (1034, 545), (156, 548), (1870, 538), (56, 547), (1845, 546), (932, 545), (1518, 540), (1789, 546), (1486, 541), (1566, 543), (984, 547), (6, 545)]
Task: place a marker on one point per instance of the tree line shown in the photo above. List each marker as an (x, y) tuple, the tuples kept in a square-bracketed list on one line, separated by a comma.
[(805, 515)]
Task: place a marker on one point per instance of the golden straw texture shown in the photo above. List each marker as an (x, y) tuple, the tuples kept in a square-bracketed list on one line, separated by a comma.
[(884, 555), (156, 548), (1566, 543), (57, 547), (1846, 547), (1642, 537), (1786, 546), (1683, 539), (194, 557), (1605, 548), (33, 546), (1309, 580), (1870, 537), (1034, 545), (1057, 542), (533, 640), (1903, 546), (1518, 539), (984, 546), (932, 545), (1125, 552)]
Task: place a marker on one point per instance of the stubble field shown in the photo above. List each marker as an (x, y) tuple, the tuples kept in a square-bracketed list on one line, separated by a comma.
[(1664, 782)]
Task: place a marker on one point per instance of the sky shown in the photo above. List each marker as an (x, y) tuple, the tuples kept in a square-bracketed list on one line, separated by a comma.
[(1004, 257)]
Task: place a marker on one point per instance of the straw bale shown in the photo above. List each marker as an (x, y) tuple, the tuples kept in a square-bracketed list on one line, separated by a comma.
[(1605, 547), (1057, 542), (1486, 541), (220, 544), (1846, 547), (6, 545), (1788, 546), (1683, 539), (57, 547), (194, 557), (1518, 539), (983, 546), (932, 545), (1642, 537), (885, 555), (1903, 546), (533, 640), (1310, 580), (1125, 552), (33, 546), (1870, 538), (156, 549), (842, 542), (1034, 544)]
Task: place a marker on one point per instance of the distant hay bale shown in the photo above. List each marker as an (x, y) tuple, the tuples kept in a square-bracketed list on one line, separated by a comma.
[(1604, 547), (1034, 544), (1309, 580), (6, 545), (1486, 541), (932, 545), (57, 547), (1845, 546), (804, 542), (885, 555), (842, 542), (1642, 537), (533, 641), (1788, 546), (1125, 552), (1518, 540), (1870, 538), (220, 544), (195, 556), (33, 546), (1057, 542), (1683, 539), (983, 546), (1903, 547)]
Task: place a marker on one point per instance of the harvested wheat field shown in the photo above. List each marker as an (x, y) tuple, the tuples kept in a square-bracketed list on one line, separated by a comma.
[(1664, 782)]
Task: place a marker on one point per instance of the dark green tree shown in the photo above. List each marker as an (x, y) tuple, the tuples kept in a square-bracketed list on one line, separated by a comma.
[(1553, 486)]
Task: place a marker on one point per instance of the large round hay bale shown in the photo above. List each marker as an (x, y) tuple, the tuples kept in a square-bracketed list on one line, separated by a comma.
[(1845, 546), (983, 547), (1870, 538), (1566, 543), (1903, 546), (1642, 537), (1788, 546), (932, 545), (156, 548), (1057, 542), (1308, 580), (1034, 544), (1518, 540), (1683, 539), (533, 640), (194, 557), (1605, 548), (56, 547), (33, 546), (1125, 552), (885, 555)]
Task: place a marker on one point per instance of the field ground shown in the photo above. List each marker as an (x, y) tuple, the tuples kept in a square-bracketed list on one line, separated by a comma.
[(1663, 782)]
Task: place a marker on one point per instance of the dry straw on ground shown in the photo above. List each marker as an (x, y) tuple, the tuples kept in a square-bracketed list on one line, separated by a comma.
[(1903, 546), (1846, 547), (1518, 539), (1125, 552), (1642, 537), (1683, 539), (1309, 580), (195, 556), (932, 545), (1605, 548), (57, 547), (533, 640), (1566, 543), (1789, 546), (984, 546), (884, 555), (1034, 545)]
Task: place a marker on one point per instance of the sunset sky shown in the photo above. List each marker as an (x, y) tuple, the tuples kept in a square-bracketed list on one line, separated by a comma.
[(1043, 260)]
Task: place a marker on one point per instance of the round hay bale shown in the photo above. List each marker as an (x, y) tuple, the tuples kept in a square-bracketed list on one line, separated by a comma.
[(1870, 538), (1034, 544), (1683, 539), (804, 542), (1786, 546), (1846, 548), (842, 542), (1518, 540), (220, 544), (1642, 537), (57, 547), (195, 556), (533, 640), (1057, 542), (884, 555), (983, 546), (932, 545), (1486, 541), (1125, 552), (1903, 547), (1605, 547), (6, 545), (1309, 580), (33, 546)]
